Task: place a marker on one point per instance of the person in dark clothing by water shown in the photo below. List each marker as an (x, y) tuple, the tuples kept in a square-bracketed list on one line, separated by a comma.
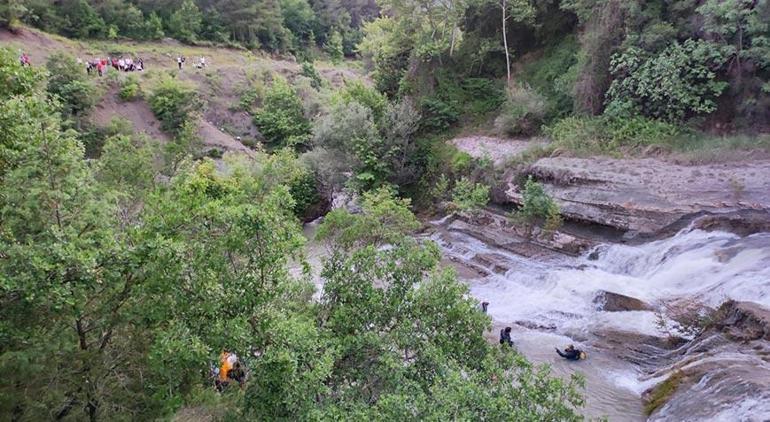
[(570, 353), (505, 336)]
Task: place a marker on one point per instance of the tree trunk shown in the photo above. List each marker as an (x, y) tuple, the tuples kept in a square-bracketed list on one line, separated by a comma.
[(505, 44)]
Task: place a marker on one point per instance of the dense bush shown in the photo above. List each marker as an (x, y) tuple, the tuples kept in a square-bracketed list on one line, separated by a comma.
[(309, 71), (553, 77), (334, 48), (679, 82), (185, 23), (70, 85), (437, 114), (175, 104), (305, 192), (281, 119), (350, 133), (469, 196), (130, 89), (388, 49), (366, 96), (522, 113)]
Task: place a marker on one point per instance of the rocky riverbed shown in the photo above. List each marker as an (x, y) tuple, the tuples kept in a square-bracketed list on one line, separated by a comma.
[(660, 273)]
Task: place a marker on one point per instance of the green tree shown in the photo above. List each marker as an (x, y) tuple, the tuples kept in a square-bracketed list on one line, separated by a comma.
[(70, 85), (384, 219), (299, 19), (175, 104), (333, 47), (11, 13), (281, 119), (741, 28), (350, 133), (679, 82), (185, 23), (153, 27), (80, 20), (394, 338)]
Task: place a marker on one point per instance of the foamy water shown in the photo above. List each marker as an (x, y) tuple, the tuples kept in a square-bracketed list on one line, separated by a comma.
[(708, 267), (558, 294)]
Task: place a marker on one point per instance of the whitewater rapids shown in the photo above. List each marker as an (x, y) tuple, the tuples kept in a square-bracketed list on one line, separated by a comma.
[(554, 299)]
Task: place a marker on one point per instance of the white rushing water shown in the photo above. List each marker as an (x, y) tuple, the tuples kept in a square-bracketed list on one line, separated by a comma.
[(708, 267), (558, 295)]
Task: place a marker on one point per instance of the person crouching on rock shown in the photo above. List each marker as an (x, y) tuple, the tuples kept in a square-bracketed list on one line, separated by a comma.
[(505, 336), (570, 353)]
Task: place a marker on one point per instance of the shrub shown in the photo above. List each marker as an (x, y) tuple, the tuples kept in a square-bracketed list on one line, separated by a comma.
[(174, 104), (553, 76), (538, 208), (678, 82), (469, 96), (215, 153), (186, 143), (522, 112), (281, 119), (469, 196), (333, 47), (129, 89), (304, 191), (250, 96), (349, 132), (437, 114), (369, 97), (309, 71)]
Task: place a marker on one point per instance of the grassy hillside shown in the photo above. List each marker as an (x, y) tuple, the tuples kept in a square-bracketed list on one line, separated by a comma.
[(231, 75)]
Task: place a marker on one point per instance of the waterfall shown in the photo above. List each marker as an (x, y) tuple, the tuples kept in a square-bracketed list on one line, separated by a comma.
[(554, 299)]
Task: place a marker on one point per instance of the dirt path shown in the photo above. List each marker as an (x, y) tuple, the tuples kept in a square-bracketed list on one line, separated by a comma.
[(497, 149)]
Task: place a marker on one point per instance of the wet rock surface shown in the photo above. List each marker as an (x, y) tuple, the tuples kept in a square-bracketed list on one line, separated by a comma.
[(616, 302), (725, 366)]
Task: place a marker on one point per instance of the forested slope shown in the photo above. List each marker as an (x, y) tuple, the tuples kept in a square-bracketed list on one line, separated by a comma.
[(150, 220)]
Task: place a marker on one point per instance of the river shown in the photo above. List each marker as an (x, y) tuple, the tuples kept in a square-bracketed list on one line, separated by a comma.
[(550, 302)]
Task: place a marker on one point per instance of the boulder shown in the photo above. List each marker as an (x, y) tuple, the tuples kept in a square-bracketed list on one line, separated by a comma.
[(616, 302), (742, 321)]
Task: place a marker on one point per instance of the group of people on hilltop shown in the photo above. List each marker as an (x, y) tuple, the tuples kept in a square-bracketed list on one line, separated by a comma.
[(120, 64)]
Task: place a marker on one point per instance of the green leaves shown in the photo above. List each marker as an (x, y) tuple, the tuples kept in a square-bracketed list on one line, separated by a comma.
[(185, 22), (281, 119), (175, 104), (69, 84), (384, 219), (679, 82), (538, 207), (469, 196)]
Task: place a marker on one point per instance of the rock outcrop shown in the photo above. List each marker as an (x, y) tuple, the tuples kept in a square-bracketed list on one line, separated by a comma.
[(645, 196)]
